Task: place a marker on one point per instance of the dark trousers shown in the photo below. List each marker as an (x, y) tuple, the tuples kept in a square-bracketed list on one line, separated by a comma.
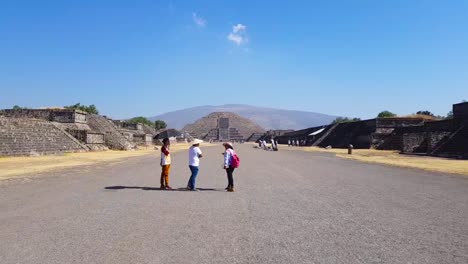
[(229, 172)]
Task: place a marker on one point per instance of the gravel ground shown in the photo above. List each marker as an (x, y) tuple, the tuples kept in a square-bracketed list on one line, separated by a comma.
[(289, 207)]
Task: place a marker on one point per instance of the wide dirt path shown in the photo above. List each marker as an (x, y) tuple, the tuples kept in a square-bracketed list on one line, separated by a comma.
[(289, 207)]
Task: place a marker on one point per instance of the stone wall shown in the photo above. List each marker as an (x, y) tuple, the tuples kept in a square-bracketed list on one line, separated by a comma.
[(57, 115), (385, 123), (460, 111), (94, 138), (358, 134), (414, 142), (128, 126), (142, 139), (21, 136), (455, 145), (112, 136)]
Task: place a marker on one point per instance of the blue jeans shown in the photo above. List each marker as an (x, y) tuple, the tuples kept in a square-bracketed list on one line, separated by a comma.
[(193, 177)]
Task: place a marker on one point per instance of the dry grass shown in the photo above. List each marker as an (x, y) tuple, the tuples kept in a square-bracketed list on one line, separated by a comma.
[(12, 167), (393, 158), (425, 117)]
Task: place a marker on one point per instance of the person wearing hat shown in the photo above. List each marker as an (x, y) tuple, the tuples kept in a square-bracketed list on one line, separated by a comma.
[(165, 164), (228, 155), (194, 162)]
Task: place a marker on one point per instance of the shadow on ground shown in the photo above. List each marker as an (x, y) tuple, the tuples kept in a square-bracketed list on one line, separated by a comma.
[(157, 189)]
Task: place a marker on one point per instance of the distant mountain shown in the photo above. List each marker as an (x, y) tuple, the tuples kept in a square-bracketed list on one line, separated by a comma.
[(268, 118)]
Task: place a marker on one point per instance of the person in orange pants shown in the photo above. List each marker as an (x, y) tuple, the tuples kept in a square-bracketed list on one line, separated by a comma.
[(165, 164)]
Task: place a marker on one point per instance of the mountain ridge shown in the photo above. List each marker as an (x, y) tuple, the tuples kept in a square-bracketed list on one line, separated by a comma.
[(267, 117)]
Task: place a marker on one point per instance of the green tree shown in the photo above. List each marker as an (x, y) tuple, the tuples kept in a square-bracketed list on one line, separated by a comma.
[(160, 124), (341, 119), (425, 112), (91, 109), (385, 114), (449, 115), (17, 107), (142, 120)]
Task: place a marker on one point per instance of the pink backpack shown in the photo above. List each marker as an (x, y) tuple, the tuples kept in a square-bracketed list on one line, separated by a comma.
[(235, 161)]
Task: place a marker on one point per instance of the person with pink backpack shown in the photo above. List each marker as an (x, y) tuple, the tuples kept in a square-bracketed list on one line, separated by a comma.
[(231, 162)]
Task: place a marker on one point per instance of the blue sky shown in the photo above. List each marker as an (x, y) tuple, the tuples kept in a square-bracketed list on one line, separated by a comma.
[(349, 58)]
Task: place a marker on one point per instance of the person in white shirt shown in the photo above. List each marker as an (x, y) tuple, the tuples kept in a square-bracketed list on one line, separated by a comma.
[(194, 162), (273, 145)]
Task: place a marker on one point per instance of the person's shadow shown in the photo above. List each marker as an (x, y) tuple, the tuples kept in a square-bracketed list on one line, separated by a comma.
[(119, 187)]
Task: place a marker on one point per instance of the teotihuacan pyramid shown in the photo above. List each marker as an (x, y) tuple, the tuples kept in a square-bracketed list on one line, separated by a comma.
[(223, 126)]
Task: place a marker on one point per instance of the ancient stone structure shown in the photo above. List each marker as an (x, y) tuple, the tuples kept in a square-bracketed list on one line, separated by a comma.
[(275, 134), (19, 136), (112, 136), (448, 138), (255, 137), (360, 134), (53, 115), (49, 131), (139, 134), (223, 126)]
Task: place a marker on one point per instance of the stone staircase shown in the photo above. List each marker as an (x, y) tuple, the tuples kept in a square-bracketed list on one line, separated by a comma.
[(26, 137), (355, 133), (326, 133), (223, 134), (393, 141), (255, 137), (455, 145), (113, 138), (234, 135), (212, 135)]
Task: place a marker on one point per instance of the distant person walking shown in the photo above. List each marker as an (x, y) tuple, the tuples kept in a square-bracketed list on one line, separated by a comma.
[(231, 161), (195, 154), (289, 142), (165, 164)]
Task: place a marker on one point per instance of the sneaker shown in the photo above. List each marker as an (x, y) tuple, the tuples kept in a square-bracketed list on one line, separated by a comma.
[(230, 189), (194, 190), (162, 187), (168, 187)]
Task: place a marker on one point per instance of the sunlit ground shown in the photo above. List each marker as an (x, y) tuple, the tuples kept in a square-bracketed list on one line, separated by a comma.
[(11, 167), (393, 158)]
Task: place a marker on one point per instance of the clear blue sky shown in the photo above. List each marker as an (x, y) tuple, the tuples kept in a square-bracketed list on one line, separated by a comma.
[(350, 58)]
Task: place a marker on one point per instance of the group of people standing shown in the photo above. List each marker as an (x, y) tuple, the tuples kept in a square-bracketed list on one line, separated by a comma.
[(296, 142), (231, 162), (262, 143)]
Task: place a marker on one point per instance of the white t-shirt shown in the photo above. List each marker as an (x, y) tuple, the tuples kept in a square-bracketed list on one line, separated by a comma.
[(193, 156)]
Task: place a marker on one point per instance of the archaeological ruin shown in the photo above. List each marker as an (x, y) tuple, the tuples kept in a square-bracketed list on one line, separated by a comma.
[(443, 138), (223, 126), (52, 131)]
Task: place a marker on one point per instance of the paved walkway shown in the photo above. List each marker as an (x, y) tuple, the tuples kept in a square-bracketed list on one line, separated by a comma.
[(289, 207)]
